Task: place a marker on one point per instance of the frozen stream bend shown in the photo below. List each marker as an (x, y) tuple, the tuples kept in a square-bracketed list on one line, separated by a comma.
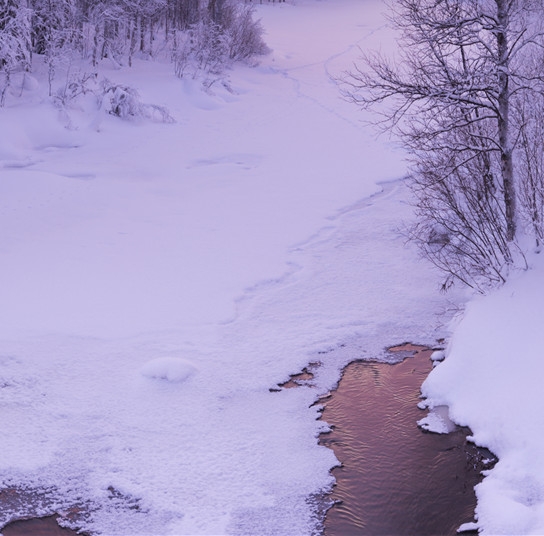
[(153, 295)]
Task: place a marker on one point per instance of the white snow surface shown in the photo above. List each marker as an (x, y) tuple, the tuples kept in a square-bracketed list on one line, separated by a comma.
[(492, 381), (160, 279), (437, 420), (172, 369)]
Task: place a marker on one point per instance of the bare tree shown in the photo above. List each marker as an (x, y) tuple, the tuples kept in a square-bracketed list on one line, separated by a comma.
[(15, 47), (530, 159), (54, 33), (460, 214), (452, 100), (244, 34)]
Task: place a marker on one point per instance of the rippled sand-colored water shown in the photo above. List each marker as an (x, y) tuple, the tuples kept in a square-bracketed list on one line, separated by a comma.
[(395, 479)]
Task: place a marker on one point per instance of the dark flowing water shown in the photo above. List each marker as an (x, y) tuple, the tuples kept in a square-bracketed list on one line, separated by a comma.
[(42, 526), (25, 501), (395, 479)]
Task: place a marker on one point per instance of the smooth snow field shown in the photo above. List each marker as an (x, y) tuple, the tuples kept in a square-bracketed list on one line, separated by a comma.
[(160, 278)]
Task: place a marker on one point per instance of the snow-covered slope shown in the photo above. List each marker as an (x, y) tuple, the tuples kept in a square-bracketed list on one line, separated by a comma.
[(159, 278)]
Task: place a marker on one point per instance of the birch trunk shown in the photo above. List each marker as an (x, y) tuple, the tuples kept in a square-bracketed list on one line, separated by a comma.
[(507, 165)]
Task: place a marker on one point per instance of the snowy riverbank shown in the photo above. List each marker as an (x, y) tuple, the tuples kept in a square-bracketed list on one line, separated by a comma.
[(492, 382)]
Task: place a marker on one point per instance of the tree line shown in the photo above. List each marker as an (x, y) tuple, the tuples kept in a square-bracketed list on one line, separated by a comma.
[(466, 97), (208, 32)]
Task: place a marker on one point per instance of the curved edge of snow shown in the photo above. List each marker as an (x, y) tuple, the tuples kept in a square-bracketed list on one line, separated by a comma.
[(468, 527)]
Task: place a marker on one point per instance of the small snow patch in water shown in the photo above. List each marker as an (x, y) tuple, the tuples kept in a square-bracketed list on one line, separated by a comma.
[(172, 369), (468, 527), (437, 421)]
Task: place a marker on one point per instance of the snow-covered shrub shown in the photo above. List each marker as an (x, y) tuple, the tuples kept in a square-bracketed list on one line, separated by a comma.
[(106, 34), (57, 54), (459, 226), (76, 84), (124, 102), (55, 34), (200, 49), (181, 53), (243, 34), (15, 29), (530, 159), (208, 47)]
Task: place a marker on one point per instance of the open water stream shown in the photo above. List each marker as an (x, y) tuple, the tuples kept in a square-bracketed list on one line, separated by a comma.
[(395, 479)]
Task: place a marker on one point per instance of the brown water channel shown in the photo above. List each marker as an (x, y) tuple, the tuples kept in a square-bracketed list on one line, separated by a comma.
[(42, 526), (24, 499), (395, 479)]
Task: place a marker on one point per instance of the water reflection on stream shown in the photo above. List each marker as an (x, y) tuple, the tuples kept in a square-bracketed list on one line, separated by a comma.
[(395, 478)]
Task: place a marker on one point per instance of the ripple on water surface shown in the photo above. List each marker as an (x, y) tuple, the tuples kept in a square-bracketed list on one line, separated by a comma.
[(395, 479)]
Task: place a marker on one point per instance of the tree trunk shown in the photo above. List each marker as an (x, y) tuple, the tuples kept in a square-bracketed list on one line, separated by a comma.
[(507, 164)]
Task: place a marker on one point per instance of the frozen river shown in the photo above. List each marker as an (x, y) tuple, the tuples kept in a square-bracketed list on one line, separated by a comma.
[(161, 279)]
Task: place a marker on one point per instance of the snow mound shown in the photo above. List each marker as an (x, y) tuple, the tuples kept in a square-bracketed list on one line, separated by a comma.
[(172, 369), (438, 355)]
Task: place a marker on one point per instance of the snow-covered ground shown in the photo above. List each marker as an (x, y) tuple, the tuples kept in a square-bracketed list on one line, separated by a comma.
[(159, 279), (492, 381)]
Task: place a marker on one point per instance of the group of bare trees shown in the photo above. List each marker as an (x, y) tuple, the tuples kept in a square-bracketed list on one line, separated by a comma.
[(15, 46), (229, 34), (121, 29), (466, 97)]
